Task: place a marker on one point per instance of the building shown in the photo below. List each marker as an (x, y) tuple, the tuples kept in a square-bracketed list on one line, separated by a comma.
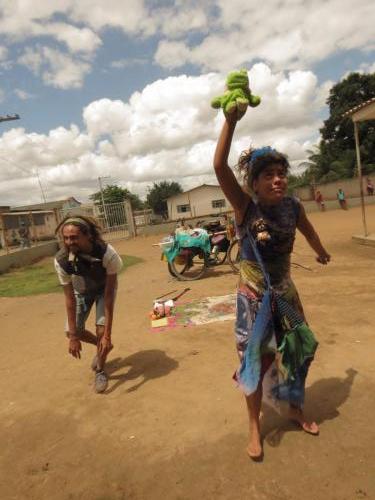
[(207, 199), (41, 224), (63, 205), (41, 218)]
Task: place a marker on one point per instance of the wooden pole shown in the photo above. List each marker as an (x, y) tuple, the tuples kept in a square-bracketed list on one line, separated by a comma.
[(359, 167), (3, 229), (33, 228)]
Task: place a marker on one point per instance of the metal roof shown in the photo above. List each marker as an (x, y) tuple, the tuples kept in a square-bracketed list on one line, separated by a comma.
[(362, 112)]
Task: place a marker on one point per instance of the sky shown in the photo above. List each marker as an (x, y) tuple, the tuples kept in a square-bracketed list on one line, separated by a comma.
[(121, 89)]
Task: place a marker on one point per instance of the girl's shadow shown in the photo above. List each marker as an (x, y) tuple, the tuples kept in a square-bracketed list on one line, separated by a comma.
[(324, 398), (146, 364)]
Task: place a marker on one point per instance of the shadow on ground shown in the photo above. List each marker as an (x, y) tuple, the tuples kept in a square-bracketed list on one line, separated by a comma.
[(148, 364), (323, 399)]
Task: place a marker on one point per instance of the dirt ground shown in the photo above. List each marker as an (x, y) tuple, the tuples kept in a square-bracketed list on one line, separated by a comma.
[(172, 425)]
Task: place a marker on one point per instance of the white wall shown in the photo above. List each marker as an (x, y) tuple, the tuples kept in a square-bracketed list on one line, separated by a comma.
[(200, 201)]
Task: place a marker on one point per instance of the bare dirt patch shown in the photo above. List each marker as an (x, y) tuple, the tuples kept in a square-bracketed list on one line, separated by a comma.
[(172, 425)]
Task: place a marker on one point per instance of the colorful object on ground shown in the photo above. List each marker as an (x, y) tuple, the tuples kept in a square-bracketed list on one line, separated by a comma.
[(162, 309), (201, 312), (238, 96)]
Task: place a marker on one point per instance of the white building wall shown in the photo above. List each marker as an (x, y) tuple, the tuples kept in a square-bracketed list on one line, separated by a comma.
[(200, 201)]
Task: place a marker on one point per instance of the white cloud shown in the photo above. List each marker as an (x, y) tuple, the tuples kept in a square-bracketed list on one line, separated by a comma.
[(367, 68), (127, 63), (23, 94), (56, 68), (166, 131), (3, 53), (172, 54), (290, 36), (76, 39)]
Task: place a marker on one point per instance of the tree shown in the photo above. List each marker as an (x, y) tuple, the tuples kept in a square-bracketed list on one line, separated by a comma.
[(158, 194), (335, 156), (116, 194)]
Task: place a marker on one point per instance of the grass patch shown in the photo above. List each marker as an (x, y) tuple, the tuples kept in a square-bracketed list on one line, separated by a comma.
[(41, 278)]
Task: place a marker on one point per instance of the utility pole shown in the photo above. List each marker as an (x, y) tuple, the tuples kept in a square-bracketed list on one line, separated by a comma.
[(102, 197), (41, 188), (8, 118)]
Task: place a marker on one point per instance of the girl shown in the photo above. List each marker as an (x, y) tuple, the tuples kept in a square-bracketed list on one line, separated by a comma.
[(271, 218)]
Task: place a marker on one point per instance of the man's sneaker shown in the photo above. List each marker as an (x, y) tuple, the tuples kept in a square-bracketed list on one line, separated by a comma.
[(94, 363), (101, 381)]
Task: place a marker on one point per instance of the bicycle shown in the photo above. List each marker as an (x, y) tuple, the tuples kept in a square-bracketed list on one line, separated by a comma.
[(191, 263)]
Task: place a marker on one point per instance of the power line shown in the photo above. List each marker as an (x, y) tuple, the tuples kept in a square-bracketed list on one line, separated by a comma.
[(29, 173)]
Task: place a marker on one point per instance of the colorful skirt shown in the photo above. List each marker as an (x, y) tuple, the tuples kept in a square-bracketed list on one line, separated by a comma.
[(259, 335)]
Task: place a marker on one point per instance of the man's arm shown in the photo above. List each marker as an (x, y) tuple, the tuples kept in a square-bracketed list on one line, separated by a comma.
[(70, 305), (105, 343), (109, 302)]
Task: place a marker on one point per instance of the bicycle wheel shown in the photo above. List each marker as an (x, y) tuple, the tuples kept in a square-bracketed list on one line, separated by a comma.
[(191, 267), (218, 258), (219, 252), (234, 256)]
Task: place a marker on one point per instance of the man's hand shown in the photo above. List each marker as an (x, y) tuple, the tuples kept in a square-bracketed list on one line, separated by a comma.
[(323, 258), (75, 348), (105, 345)]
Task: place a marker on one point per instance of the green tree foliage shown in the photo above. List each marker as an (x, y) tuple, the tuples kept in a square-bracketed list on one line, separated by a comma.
[(158, 194), (116, 194), (335, 157)]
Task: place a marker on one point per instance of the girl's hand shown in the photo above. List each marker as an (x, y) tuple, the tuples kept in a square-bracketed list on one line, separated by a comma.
[(233, 118), (323, 258)]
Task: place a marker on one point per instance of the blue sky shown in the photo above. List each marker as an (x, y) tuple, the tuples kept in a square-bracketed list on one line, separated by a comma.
[(123, 88)]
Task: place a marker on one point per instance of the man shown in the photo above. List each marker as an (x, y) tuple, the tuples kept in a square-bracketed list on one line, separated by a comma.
[(87, 268)]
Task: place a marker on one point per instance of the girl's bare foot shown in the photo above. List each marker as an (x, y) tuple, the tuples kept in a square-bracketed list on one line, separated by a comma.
[(254, 448), (296, 414)]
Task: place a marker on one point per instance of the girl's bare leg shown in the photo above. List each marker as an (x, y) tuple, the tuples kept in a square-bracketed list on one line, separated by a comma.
[(254, 402)]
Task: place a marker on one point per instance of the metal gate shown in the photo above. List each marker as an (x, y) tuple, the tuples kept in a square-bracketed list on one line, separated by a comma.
[(115, 219)]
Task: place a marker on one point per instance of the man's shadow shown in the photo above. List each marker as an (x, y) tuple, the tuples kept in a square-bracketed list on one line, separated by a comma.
[(323, 399), (146, 364)]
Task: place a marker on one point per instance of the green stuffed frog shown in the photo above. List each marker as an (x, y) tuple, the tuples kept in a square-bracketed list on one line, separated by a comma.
[(238, 95)]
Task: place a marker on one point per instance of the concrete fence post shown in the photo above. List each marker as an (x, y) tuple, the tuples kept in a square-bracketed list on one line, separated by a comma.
[(130, 219)]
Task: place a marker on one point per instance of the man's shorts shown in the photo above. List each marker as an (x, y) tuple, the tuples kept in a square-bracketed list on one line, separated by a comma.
[(84, 305)]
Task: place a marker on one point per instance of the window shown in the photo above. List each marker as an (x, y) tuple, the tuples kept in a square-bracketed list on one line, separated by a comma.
[(218, 203), (38, 219), (183, 208)]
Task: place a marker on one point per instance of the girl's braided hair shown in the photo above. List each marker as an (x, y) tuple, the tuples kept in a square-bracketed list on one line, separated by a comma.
[(253, 161), (87, 225)]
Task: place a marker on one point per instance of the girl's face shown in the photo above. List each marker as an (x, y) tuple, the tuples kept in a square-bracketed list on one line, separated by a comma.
[(270, 186)]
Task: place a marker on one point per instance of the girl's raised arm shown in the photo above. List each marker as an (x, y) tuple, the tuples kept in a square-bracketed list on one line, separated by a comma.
[(227, 180)]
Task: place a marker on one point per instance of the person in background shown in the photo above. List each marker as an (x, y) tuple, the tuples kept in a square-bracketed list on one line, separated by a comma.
[(24, 234), (342, 199), (369, 187), (320, 201)]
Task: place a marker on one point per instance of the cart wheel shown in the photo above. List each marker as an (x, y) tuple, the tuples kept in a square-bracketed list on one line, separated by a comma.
[(190, 268), (234, 256)]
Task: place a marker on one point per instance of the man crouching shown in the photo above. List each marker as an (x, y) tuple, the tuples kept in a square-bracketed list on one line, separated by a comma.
[(87, 268)]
